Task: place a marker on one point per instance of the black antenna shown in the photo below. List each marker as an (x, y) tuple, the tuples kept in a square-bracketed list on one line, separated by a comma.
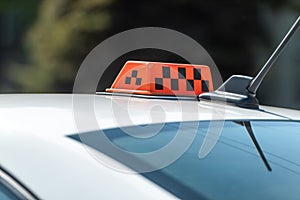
[(241, 90), (256, 81)]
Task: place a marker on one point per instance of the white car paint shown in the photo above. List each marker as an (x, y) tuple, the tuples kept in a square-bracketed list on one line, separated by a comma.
[(35, 149)]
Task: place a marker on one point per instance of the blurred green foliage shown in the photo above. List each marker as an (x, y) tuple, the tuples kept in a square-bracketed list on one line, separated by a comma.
[(58, 42), (66, 30)]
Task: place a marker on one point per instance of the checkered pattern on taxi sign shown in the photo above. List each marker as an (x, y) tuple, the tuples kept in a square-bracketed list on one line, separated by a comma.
[(180, 77), (154, 78)]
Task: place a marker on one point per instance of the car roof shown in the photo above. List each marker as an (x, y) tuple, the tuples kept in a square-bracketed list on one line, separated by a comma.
[(57, 110), (35, 149)]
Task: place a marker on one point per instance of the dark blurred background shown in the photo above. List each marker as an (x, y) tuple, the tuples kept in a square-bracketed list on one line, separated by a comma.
[(43, 43)]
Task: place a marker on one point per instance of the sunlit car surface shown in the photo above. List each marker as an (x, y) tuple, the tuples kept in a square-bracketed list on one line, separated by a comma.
[(41, 149), (251, 151)]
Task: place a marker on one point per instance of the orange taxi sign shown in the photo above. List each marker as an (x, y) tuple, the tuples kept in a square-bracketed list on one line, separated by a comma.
[(156, 78)]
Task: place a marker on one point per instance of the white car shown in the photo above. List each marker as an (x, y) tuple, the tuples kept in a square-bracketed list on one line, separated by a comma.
[(225, 146), (40, 158)]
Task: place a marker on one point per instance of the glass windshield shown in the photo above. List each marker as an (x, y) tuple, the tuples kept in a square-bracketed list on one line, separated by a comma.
[(233, 169)]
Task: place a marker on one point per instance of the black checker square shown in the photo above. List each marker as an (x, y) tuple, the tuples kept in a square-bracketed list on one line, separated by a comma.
[(190, 85), (134, 73), (205, 86), (181, 73), (174, 84), (138, 81), (166, 72), (197, 74), (159, 84), (127, 80)]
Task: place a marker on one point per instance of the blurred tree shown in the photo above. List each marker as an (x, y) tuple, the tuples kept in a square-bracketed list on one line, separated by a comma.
[(15, 18), (59, 41), (66, 30)]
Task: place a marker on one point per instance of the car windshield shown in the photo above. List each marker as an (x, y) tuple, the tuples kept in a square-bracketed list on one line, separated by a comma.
[(232, 170)]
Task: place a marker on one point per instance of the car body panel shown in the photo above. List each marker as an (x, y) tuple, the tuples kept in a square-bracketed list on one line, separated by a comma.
[(59, 168), (35, 149), (45, 109)]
